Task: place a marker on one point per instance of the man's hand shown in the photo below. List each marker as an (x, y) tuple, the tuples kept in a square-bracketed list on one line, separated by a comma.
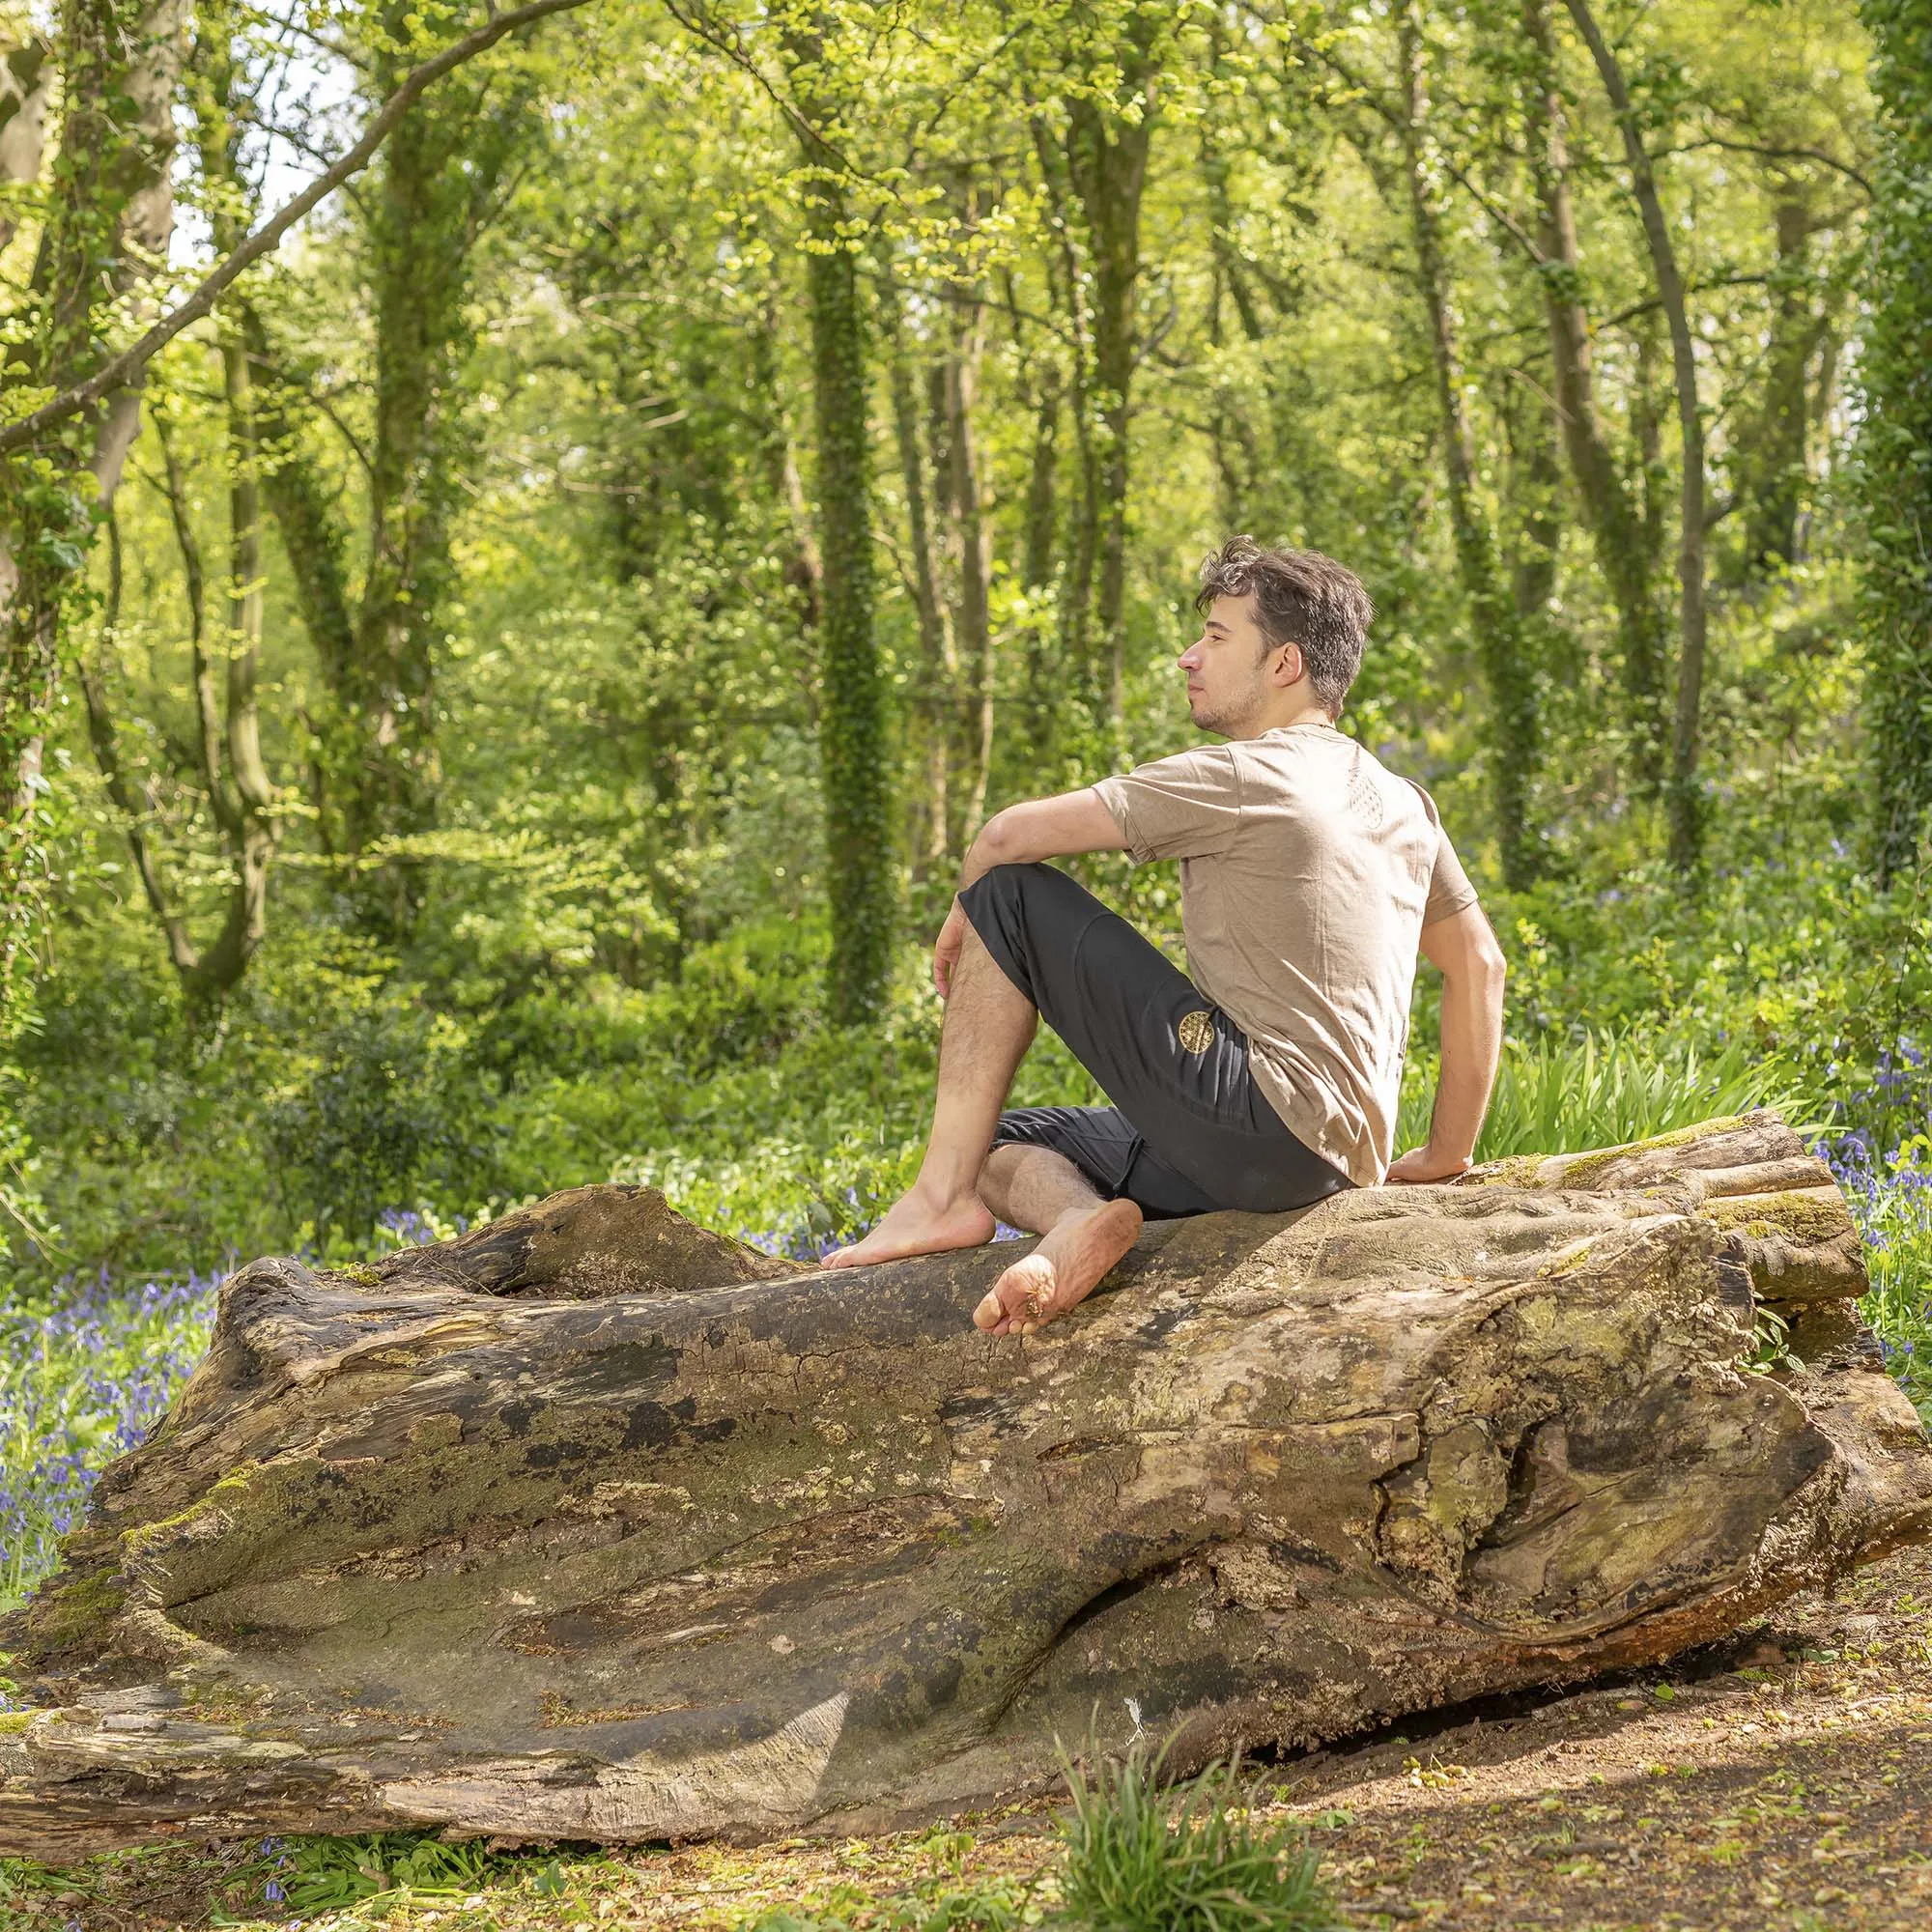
[(945, 949), (1465, 951), (1420, 1165)]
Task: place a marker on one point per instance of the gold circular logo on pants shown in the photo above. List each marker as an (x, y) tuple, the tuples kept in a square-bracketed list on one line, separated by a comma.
[(1197, 1030)]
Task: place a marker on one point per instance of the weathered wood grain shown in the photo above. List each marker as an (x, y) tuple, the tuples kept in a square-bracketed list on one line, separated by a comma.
[(595, 1525)]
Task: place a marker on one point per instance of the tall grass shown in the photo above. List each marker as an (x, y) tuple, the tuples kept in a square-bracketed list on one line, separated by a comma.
[(1189, 1857), (1563, 1095)]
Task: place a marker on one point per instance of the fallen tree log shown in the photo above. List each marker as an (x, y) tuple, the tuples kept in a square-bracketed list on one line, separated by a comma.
[(595, 1526)]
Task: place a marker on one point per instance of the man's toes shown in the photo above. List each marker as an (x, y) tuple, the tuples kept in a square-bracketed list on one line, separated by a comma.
[(1022, 1297)]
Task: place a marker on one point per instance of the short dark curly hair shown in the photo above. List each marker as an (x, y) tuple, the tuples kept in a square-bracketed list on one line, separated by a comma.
[(1301, 597)]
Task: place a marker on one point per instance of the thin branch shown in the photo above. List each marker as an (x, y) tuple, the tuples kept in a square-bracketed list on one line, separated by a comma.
[(1636, 310), (813, 137), (324, 407), (1770, 153), (121, 369), (1499, 216)]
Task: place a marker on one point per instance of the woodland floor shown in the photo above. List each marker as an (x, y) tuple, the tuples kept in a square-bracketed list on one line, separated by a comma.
[(1781, 1782)]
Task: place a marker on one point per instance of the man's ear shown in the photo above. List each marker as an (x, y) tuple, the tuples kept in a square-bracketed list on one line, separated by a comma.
[(1291, 668)]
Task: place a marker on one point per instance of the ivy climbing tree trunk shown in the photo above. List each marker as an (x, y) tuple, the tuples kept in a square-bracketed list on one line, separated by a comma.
[(1499, 633), (435, 190), (1895, 458), (109, 213), (852, 720), (1686, 818)]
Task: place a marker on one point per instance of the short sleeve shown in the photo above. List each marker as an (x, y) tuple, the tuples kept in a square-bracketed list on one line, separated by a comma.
[(1449, 889), (1186, 807)]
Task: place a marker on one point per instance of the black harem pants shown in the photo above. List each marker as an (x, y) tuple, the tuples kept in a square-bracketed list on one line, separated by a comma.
[(1189, 1131)]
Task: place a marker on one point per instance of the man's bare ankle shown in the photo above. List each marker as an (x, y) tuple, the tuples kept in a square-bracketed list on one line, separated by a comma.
[(939, 1200)]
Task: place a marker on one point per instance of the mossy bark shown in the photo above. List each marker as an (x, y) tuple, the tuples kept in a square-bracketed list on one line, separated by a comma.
[(1895, 438), (854, 755), (595, 1525)]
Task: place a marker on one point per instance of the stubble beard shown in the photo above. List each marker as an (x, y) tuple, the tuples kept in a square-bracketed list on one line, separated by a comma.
[(1228, 720)]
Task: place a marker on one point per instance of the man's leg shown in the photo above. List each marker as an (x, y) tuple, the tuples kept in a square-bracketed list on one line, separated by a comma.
[(1035, 1188), (990, 1025)]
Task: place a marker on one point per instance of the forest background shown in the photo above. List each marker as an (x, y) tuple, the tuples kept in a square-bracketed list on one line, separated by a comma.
[(496, 698)]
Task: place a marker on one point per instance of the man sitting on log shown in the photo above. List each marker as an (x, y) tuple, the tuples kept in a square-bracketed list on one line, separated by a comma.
[(1268, 1079)]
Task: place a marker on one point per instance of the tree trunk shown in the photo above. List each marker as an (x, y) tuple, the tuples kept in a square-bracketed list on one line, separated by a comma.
[(435, 189), (1236, 450), (1623, 547), (110, 213), (1895, 479), (1107, 160), (1500, 643), (593, 1525), (135, 811), (966, 491), (1770, 442), (1067, 278), (852, 726), (936, 655), (1536, 527), (227, 737), (385, 749), (1040, 392), (26, 82), (1042, 495), (1686, 818)]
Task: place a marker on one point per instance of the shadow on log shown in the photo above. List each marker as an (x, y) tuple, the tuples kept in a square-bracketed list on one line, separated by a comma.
[(595, 1525)]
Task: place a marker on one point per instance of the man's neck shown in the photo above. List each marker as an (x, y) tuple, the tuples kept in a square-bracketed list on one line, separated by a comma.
[(1278, 718)]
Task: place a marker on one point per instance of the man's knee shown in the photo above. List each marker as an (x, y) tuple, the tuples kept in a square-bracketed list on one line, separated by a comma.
[(1001, 907), (1007, 888), (1015, 902)]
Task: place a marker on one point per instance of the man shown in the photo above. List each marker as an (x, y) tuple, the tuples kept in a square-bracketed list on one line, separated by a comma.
[(1309, 876)]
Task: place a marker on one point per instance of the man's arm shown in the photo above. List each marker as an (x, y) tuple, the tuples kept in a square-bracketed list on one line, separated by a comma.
[(1471, 963), (1042, 828)]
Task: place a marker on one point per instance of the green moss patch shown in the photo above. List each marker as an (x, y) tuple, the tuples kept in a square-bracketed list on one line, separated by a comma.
[(1803, 1219)]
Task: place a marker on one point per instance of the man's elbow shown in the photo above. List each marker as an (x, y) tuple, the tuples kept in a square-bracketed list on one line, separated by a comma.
[(1478, 967), (1491, 968), (1001, 841)]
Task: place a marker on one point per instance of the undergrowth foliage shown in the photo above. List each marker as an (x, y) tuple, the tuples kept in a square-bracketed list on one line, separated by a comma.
[(82, 1379)]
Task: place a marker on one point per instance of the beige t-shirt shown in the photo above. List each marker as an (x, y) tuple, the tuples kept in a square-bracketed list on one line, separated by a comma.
[(1307, 874)]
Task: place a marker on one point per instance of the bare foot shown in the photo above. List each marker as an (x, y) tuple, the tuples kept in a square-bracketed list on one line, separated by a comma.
[(1067, 1266), (917, 1225)]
